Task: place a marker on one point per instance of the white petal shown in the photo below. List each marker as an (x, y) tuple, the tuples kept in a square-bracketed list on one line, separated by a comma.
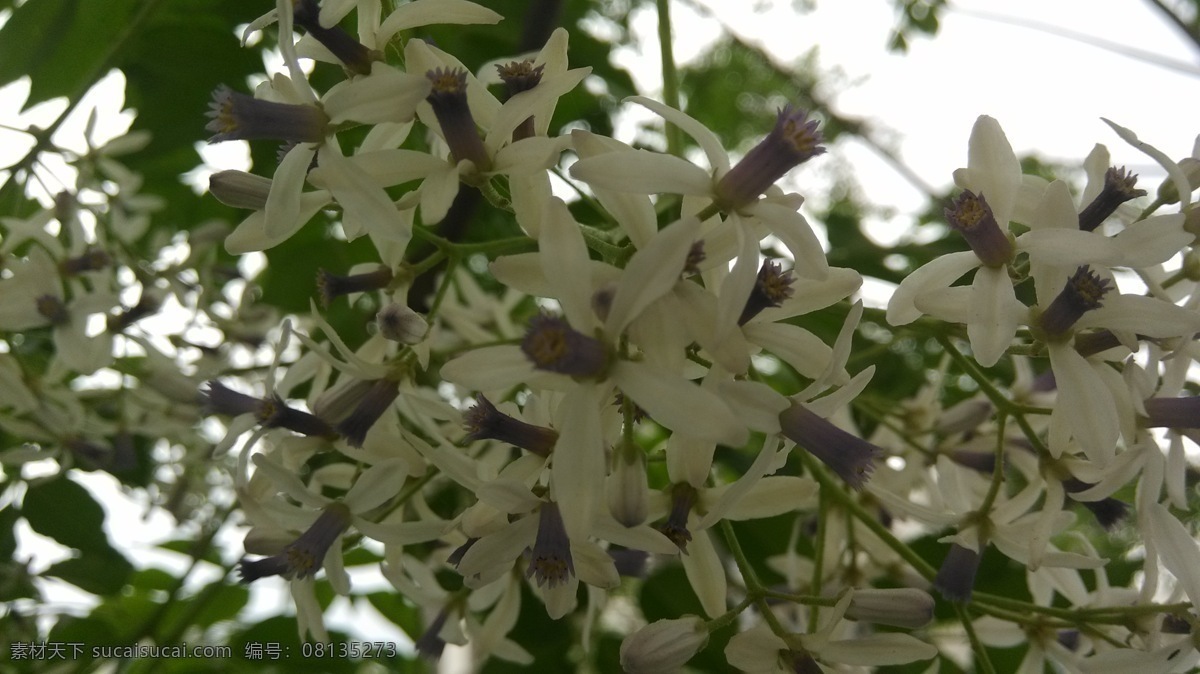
[(386, 95), (643, 172), (738, 285), (755, 403), (494, 554), (403, 533), (728, 497), (489, 369), (438, 193), (578, 470), (287, 481), (1143, 315), (1176, 548), (679, 404), (1069, 248), (426, 12), (651, 273), (594, 566), (1056, 209), (376, 485), (1086, 402), (705, 573), (283, 201), (878, 649), (794, 231), (1177, 174), (774, 495), (708, 141), (365, 206), (1153, 240), (934, 275), (564, 259), (810, 295), (394, 167), (633, 212), (992, 168), (993, 315), (526, 103), (529, 155)]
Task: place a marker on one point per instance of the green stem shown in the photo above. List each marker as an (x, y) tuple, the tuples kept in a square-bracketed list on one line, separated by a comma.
[(669, 74), (846, 501), (818, 572), (981, 656)]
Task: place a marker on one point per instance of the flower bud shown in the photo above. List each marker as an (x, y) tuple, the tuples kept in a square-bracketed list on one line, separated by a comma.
[(900, 607), (663, 646), (400, 324)]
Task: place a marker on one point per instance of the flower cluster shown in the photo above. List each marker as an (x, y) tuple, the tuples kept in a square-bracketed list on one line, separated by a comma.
[(640, 373), (641, 342)]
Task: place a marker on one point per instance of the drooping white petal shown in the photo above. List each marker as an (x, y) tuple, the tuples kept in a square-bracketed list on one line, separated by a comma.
[(737, 286), (1086, 403), (993, 315), (1177, 174), (729, 497), (578, 469), (365, 205), (529, 155), (794, 231), (707, 140), (633, 212), (1176, 548), (283, 201), (705, 573)]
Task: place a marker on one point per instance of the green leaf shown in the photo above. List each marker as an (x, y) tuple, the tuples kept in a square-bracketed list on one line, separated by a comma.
[(401, 612), (8, 539), (97, 572), (61, 44), (182, 52), (63, 510)]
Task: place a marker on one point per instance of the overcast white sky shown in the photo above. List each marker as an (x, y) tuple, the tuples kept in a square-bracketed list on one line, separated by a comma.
[(1048, 92)]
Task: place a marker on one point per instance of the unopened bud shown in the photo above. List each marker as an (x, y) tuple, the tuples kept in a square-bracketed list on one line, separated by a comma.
[(663, 645), (240, 189), (1168, 193), (899, 607), (400, 324)]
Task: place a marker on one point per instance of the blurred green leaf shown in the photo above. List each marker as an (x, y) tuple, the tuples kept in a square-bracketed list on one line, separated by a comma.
[(96, 572), (60, 44), (61, 509)]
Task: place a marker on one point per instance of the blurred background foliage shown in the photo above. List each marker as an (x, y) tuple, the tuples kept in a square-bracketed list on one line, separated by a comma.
[(173, 53)]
